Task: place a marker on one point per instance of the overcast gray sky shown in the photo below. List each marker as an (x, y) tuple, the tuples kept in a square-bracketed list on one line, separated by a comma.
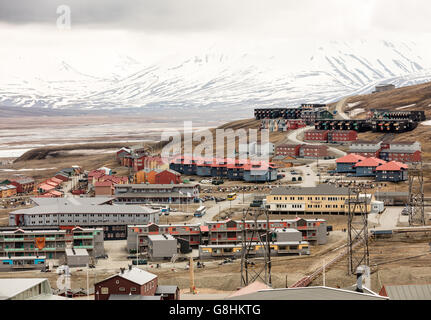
[(285, 17), (149, 30)]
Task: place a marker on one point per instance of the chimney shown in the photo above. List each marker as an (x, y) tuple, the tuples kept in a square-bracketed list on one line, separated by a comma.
[(130, 267), (122, 270)]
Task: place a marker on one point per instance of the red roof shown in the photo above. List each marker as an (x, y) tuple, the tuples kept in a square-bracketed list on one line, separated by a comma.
[(46, 187), (350, 158), (370, 162), (392, 166), (103, 184)]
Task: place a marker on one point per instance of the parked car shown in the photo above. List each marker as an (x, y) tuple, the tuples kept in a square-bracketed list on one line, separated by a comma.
[(140, 262)]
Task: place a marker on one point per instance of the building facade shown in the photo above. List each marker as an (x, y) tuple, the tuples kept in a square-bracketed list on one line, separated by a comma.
[(323, 199), (156, 193)]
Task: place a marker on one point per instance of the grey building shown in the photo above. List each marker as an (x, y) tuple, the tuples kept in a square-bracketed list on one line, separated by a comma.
[(112, 218), (365, 148), (286, 235), (77, 257), (161, 246), (155, 193)]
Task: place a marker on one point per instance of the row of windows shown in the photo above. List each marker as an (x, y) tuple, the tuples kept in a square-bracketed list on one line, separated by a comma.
[(310, 198)]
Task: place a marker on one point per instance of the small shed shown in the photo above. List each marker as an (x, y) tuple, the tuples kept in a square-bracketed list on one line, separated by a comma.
[(161, 246), (77, 257), (168, 292)]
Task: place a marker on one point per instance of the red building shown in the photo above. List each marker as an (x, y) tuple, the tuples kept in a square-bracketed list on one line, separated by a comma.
[(312, 151), (23, 184), (104, 188), (123, 152), (127, 282), (296, 124), (291, 150), (342, 136), (61, 177), (168, 177), (405, 151), (317, 135)]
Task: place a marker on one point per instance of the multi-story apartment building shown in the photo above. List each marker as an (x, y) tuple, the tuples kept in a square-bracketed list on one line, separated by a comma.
[(323, 199), (366, 148), (232, 232), (73, 212), (50, 243), (406, 151), (155, 193)]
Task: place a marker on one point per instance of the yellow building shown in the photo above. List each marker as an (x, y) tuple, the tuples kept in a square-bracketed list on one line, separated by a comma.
[(323, 199), (7, 191)]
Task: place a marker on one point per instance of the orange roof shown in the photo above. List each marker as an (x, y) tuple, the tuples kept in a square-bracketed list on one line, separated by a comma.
[(370, 162), (46, 187), (350, 158), (392, 166)]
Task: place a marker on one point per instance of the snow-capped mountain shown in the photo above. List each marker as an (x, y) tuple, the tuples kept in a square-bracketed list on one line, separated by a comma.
[(270, 74)]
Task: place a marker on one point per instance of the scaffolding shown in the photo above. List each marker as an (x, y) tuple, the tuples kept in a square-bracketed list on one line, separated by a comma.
[(357, 231), (416, 207), (253, 268)]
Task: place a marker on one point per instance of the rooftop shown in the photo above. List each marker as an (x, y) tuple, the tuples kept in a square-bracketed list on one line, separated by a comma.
[(308, 293), (322, 189), (12, 287), (350, 158)]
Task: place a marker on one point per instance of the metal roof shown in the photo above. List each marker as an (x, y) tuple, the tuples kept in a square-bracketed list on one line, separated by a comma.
[(160, 237), (151, 195), (137, 276), (166, 289), (408, 292), (12, 287), (76, 252), (308, 293), (87, 209), (319, 190), (71, 201)]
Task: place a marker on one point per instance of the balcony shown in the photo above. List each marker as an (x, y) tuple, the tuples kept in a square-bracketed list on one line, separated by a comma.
[(83, 237), (83, 247), (13, 249), (13, 239)]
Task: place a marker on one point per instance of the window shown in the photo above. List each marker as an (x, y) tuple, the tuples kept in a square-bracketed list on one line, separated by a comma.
[(122, 289), (104, 290), (133, 289)]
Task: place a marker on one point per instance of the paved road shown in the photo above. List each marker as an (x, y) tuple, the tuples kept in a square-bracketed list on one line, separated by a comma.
[(219, 207), (340, 108), (388, 220)]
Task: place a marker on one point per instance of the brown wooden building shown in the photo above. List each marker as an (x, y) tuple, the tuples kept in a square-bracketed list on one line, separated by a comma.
[(128, 281)]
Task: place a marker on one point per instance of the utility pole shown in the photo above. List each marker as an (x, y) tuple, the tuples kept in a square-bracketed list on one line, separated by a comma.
[(416, 195), (192, 277), (357, 234)]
